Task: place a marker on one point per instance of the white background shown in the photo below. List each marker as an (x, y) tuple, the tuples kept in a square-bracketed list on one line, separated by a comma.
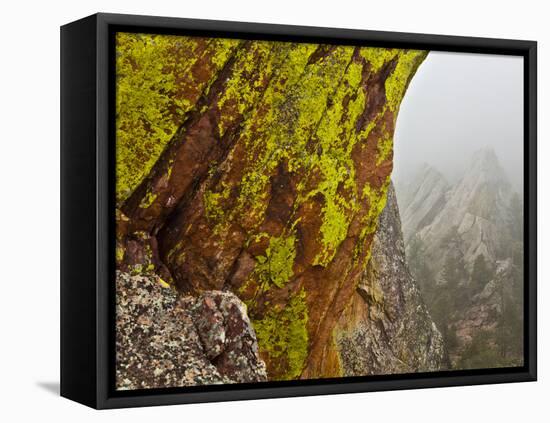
[(29, 238)]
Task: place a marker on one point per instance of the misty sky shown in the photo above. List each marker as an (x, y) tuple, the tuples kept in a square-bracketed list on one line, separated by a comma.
[(456, 104)]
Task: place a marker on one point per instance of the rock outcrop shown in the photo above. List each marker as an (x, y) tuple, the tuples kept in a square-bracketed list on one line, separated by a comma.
[(386, 328), (164, 340), (462, 244), (476, 207), (260, 168)]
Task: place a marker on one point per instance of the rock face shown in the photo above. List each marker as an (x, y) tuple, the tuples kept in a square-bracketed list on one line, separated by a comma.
[(163, 340), (386, 328), (274, 167)]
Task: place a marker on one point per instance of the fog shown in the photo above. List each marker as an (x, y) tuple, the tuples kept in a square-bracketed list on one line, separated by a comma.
[(456, 104)]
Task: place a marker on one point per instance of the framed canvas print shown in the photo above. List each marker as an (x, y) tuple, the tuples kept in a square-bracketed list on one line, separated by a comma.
[(255, 211)]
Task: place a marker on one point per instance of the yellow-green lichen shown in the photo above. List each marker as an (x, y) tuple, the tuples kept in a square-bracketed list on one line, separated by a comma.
[(309, 107), (242, 90), (398, 81), (376, 200), (333, 231), (155, 88), (147, 200), (283, 337), (276, 266), (385, 149), (120, 252), (378, 57), (212, 205), (163, 283), (284, 120), (335, 139)]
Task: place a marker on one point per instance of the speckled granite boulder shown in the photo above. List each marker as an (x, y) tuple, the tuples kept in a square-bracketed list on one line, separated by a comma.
[(166, 341), (227, 336)]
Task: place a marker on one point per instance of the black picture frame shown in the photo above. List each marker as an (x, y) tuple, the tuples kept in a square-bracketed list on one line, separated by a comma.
[(87, 210)]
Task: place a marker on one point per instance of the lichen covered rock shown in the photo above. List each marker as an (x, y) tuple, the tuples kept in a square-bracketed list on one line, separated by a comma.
[(163, 340), (272, 183)]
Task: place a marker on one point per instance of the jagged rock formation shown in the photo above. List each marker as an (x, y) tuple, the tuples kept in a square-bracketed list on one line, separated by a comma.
[(422, 199), (163, 340), (386, 328), (258, 168), (477, 207), (462, 244)]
